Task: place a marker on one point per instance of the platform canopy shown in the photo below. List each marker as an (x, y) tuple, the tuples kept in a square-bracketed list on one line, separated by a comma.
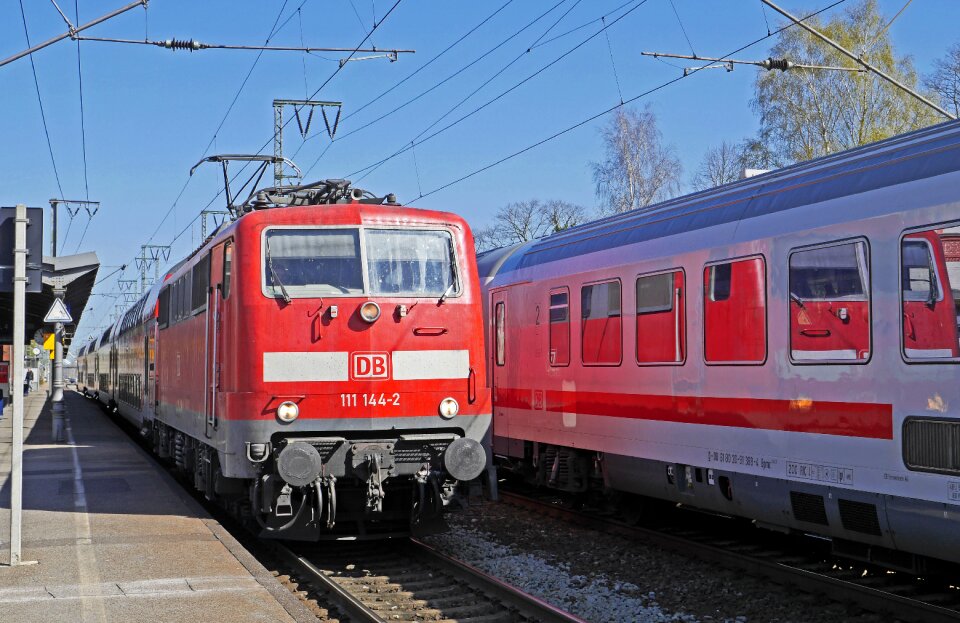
[(75, 274)]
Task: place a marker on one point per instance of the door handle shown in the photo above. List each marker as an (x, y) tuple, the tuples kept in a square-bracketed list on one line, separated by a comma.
[(815, 332), (429, 331)]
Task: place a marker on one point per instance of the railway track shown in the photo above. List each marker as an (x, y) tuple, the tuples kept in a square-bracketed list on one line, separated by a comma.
[(410, 581), (898, 595)]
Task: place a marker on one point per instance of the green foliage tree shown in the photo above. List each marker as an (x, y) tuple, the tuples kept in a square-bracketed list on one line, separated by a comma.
[(805, 114)]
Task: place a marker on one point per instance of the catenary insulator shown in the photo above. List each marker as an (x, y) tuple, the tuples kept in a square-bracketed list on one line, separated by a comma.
[(183, 44)]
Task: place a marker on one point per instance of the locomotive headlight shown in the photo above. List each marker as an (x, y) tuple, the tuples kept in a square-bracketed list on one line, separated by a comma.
[(288, 411), (448, 408), (370, 311)]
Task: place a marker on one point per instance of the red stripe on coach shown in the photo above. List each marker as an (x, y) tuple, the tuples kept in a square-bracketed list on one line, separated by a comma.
[(850, 419)]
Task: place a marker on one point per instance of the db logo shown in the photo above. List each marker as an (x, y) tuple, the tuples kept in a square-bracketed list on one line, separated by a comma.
[(369, 366)]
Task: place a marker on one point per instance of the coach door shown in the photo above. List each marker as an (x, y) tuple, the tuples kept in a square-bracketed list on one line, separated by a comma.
[(219, 256), (498, 352)]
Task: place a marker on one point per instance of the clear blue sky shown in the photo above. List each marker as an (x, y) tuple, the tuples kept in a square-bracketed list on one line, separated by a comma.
[(150, 112)]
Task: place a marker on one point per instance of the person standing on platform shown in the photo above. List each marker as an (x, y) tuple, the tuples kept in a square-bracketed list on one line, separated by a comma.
[(27, 381)]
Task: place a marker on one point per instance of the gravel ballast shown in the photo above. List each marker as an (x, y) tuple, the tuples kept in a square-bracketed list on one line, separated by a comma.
[(606, 579)]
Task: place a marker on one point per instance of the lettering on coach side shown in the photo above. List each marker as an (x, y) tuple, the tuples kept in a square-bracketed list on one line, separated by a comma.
[(368, 366)]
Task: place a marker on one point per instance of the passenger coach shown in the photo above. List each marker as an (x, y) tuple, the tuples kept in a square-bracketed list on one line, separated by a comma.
[(782, 348)]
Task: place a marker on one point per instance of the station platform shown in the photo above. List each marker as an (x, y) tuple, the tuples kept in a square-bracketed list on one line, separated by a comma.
[(115, 538)]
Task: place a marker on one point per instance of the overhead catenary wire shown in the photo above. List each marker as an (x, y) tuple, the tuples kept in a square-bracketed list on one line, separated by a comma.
[(769, 64), (70, 33), (273, 31), (411, 75), (883, 30), (682, 28), (220, 192), (581, 26), (440, 83), (43, 115), (83, 137), (607, 111), (502, 94), (313, 95), (192, 45), (860, 61)]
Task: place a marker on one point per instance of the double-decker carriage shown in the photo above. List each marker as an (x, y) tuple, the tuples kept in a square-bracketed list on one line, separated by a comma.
[(782, 348), (317, 363)]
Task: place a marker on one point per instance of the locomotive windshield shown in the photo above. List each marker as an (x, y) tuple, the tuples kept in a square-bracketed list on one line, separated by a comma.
[(410, 262), (313, 261), (329, 262)]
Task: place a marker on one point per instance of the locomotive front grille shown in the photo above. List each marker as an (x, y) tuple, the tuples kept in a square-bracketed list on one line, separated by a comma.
[(932, 445)]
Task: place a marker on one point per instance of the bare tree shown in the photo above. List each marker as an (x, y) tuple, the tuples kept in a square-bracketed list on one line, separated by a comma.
[(945, 79), (528, 220), (720, 165), (637, 168)]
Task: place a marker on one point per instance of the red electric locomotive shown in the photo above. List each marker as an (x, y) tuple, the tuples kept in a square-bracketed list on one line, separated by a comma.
[(317, 364)]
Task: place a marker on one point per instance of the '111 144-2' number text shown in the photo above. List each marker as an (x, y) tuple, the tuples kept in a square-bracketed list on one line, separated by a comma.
[(369, 400)]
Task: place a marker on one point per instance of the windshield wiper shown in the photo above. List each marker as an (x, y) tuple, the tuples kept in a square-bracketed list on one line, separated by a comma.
[(275, 276), (447, 292), (796, 299)]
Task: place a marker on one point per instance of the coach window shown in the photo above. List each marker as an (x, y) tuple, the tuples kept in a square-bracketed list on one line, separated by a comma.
[(735, 312), (499, 330), (560, 327), (227, 268), (929, 297), (600, 329), (660, 318), (830, 303)]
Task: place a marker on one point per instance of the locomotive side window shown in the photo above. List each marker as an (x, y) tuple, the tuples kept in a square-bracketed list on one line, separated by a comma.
[(410, 262), (201, 283), (660, 318), (163, 313), (830, 303), (600, 328), (500, 335), (227, 268), (735, 312), (560, 327), (928, 301), (312, 262)]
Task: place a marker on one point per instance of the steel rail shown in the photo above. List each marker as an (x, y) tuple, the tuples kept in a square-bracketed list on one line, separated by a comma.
[(526, 604), (353, 606), (871, 599)]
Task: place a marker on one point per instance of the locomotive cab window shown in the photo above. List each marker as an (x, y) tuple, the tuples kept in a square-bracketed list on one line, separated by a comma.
[(830, 304), (560, 327), (735, 312), (312, 262), (410, 262), (600, 327), (928, 296), (660, 318)]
